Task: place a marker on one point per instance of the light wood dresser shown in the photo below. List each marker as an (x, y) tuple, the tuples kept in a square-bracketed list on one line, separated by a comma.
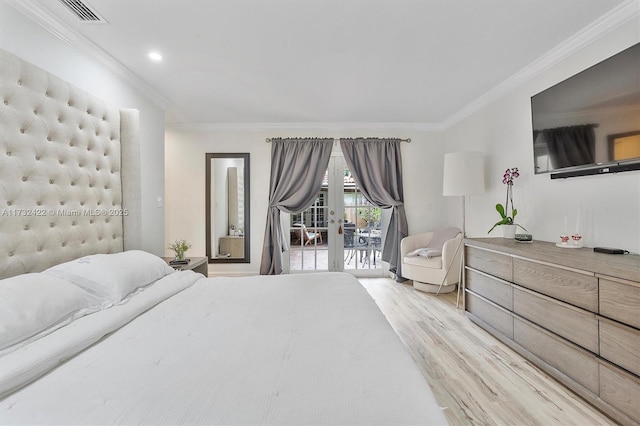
[(572, 312)]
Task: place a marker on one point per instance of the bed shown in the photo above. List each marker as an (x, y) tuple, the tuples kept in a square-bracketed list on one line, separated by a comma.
[(193, 350), (94, 330)]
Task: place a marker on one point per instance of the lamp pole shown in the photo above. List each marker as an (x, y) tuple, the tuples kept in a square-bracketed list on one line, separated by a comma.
[(463, 175)]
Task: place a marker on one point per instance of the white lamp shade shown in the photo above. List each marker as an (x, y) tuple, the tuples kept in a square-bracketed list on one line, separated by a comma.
[(463, 173)]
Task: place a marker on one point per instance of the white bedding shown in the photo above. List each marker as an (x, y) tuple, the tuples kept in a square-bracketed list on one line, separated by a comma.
[(28, 362), (292, 349)]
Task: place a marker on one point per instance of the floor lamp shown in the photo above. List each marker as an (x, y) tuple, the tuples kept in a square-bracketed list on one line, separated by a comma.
[(463, 176)]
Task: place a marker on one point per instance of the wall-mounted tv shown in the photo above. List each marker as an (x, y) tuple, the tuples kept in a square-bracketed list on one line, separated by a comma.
[(590, 123)]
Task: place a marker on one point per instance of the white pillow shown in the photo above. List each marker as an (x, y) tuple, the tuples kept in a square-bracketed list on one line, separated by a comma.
[(114, 276), (425, 252), (39, 303)]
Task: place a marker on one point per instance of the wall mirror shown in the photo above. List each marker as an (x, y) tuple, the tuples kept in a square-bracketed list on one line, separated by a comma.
[(227, 207)]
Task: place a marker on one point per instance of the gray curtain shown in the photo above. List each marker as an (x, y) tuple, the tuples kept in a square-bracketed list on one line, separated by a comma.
[(297, 169), (376, 166), (571, 146)]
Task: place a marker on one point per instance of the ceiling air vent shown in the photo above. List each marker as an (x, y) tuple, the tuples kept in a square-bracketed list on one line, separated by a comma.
[(83, 11)]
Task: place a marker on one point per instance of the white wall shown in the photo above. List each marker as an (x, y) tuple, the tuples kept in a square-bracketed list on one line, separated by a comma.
[(185, 173), (24, 38), (610, 204)]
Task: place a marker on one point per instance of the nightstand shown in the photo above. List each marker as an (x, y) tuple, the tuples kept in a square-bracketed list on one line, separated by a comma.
[(196, 264)]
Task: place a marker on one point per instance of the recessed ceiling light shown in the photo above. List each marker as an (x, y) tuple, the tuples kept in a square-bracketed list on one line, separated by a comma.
[(155, 56)]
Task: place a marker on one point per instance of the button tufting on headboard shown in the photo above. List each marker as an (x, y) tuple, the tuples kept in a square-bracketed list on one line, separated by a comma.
[(62, 163)]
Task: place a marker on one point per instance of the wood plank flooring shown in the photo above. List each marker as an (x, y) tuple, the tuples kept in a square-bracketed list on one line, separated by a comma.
[(475, 378)]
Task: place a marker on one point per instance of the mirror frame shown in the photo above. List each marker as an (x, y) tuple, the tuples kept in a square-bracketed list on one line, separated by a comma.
[(247, 217)]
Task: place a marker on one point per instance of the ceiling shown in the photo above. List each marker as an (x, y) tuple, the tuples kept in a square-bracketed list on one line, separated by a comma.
[(323, 61)]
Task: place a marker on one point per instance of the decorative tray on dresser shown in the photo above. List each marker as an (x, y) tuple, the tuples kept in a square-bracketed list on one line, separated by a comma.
[(573, 313)]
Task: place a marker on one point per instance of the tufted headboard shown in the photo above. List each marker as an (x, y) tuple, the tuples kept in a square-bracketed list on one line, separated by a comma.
[(65, 191)]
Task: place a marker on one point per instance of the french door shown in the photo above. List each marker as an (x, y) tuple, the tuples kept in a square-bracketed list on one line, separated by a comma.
[(341, 231)]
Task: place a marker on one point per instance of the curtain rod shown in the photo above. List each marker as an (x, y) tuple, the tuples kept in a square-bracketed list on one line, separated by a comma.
[(408, 140)]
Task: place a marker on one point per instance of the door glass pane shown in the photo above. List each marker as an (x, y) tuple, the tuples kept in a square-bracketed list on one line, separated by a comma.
[(362, 228), (308, 244)]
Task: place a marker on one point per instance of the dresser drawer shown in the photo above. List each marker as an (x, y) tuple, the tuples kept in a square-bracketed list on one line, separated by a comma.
[(620, 344), (574, 324), (620, 301), (496, 264), (490, 313), (571, 287), (620, 389), (491, 288), (573, 361)]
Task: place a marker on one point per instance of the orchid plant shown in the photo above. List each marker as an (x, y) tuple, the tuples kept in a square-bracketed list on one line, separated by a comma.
[(508, 219)]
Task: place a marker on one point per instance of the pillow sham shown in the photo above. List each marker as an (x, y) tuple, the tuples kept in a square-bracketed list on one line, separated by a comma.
[(36, 303), (114, 276)]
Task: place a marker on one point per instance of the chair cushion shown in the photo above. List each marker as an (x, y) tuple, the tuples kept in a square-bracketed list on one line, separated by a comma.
[(433, 263)]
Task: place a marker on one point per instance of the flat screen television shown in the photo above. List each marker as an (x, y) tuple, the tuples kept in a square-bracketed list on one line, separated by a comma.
[(590, 123)]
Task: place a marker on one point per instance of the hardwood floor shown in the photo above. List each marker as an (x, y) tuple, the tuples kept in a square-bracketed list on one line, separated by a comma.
[(476, 379)]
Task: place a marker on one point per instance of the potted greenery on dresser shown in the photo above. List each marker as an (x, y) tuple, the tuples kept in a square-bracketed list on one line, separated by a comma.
[(507, 221)]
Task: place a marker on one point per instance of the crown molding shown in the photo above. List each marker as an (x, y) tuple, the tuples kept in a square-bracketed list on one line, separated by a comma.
[(608, 22), (208, 127), (62, 31)]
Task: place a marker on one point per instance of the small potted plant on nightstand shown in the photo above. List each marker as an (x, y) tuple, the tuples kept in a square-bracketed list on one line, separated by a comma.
[(179, 247)]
